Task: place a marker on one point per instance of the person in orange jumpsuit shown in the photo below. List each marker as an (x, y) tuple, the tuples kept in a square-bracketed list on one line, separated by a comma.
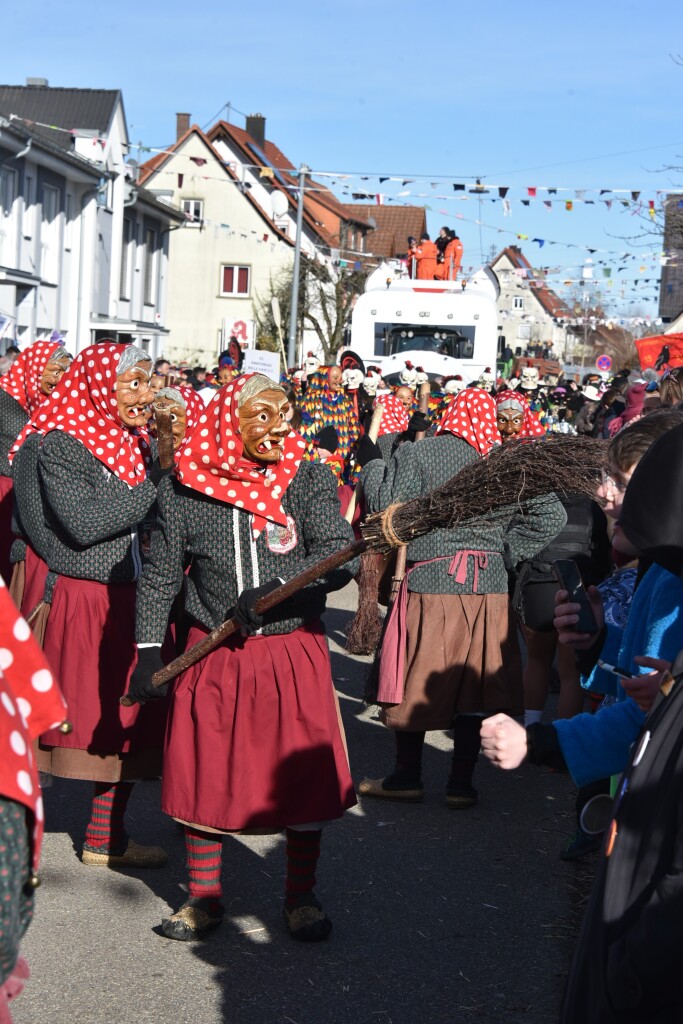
[(452, 258), (425, 255)]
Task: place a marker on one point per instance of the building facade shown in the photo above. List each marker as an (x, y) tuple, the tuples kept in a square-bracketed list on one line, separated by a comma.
[(83, 250)]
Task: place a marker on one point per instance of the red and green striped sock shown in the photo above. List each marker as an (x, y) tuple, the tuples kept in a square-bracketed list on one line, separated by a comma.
[(303, 851), (204, 854), (105, 831)]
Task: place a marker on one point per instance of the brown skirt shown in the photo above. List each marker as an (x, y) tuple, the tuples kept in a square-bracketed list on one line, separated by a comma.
[(462, 657)]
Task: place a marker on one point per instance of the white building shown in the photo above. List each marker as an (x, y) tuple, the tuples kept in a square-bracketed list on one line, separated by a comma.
[(529, 312), (83, 250), (238, 194)]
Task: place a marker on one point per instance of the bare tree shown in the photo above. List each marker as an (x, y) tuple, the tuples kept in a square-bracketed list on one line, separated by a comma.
[(329, 296)]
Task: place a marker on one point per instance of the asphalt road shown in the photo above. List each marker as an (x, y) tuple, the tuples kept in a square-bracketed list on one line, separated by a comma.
[(440, 916)]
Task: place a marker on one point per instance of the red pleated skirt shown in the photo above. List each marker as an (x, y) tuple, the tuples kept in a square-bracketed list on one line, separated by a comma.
[(6, 536), (90, 645), (254, 739)]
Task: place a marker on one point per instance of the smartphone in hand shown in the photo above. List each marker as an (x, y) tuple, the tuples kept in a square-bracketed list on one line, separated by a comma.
[(569, 578)]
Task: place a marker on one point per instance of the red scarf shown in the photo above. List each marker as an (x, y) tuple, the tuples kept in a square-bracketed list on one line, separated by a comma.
[(394, 418), (30, 704), (531, 425), (214, 462), (195, 409), (471, 415), (83, 405), (22, 381)]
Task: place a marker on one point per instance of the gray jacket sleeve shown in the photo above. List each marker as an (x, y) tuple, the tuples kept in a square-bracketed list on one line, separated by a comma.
[(162, 574), (66, 473)]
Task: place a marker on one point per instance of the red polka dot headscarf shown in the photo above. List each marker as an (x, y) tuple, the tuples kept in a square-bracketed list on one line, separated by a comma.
[(531, 425), (84, 405), (394, 418), (22, 380), (30, 704), (214, 462), (471, 415)]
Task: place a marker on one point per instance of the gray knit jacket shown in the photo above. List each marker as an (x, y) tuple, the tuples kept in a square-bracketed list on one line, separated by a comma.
[(225, 559), (13, 419), (417, 468), (81, 518)]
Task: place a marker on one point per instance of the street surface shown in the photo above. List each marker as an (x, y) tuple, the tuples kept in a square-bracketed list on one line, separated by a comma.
[(439, 916)]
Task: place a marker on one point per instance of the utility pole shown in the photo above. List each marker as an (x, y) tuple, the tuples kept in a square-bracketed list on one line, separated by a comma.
[(291, 350)]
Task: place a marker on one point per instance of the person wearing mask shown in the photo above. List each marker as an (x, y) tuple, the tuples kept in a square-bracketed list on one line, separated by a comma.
[(253, 739), (88, 450), (32, 378), (450, 652), (425, 255)]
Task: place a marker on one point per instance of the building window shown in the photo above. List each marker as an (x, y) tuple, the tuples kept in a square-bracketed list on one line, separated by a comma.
[(8, 194), (49, 234), (150, 265), (124, 280), (235, 280), (193, 210), (518, 302)]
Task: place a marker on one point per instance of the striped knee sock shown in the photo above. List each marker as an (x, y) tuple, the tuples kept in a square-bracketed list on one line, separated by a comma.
[(105, 830), (204, 850), (303, 850)]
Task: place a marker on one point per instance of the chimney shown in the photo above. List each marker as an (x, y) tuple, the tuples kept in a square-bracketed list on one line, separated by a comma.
[(256, 127), (37, 83), (182, 125)]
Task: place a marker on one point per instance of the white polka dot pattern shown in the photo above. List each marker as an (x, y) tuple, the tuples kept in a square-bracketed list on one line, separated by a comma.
[(394, 418), (78, 398), (22, 381), (471, 415), (30, 703), (250, 488)]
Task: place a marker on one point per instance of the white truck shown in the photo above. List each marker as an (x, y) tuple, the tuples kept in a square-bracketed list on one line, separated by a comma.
[(446, 327)]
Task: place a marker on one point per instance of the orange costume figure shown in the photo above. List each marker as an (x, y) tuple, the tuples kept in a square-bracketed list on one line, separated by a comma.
[(452, 258), (425, 257)]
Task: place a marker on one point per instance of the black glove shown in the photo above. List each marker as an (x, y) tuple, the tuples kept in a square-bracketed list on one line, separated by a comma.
[(157, 474), (245, 610), (140, 686), (366, 451), (417, 422)]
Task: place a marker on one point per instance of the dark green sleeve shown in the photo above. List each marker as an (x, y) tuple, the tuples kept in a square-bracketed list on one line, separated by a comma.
[(399, 479), (66, 471), (162, 574), (528, 534)]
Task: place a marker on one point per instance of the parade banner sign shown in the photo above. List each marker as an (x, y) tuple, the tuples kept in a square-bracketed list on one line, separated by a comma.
[(660, 351), (257, 361)]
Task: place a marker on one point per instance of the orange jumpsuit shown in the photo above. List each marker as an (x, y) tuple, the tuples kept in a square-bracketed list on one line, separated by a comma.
[(425, 255), (452, 258)]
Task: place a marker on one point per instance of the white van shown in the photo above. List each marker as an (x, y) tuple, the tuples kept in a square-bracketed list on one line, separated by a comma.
[(446, 327)]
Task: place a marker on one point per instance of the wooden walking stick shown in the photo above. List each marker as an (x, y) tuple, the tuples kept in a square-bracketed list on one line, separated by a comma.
[(495, 488), (162, 418), (402, 553)]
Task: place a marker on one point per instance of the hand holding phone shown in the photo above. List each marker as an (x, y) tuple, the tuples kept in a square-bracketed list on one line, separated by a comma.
[(569, 579), (615, 670)]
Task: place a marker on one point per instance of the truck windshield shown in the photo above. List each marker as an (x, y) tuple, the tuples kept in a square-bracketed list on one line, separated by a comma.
[(457, 342)]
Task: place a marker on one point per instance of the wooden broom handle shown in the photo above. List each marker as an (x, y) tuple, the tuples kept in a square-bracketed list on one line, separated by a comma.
[(402, 553), (222, 632), (373, 431), (162, 418)]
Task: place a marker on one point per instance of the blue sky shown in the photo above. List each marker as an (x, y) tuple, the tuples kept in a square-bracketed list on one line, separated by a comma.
[(581, 97)]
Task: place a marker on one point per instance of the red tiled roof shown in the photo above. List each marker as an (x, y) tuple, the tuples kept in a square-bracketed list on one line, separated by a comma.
[(156, 162), (393, 225), (551, 303), (317, 193)]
